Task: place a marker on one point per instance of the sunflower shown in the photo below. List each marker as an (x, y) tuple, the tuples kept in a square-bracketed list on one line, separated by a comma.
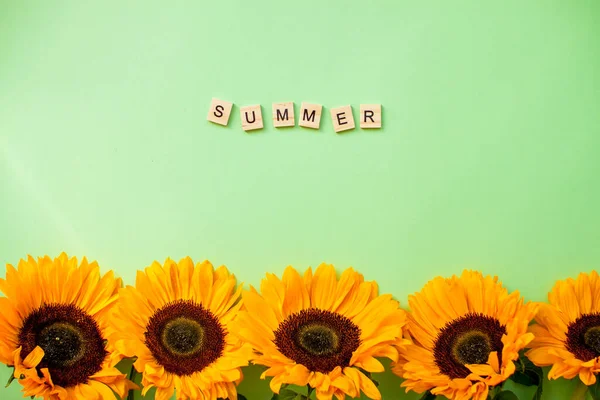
[(176, 321), (467, 332), (53, 329), (567, 333), (321, 331)]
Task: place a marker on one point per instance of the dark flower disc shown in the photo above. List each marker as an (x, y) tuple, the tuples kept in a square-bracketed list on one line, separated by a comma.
[(184, 337), (318, 339), (467, 340), (583, 337), (73, 346)]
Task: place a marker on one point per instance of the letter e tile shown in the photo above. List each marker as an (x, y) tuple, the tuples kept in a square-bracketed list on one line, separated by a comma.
[(342, 118)]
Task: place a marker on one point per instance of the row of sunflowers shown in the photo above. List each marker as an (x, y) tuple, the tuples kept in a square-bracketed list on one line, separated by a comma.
[(190, 329)]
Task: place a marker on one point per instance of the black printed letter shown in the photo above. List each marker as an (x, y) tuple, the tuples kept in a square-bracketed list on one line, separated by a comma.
[(369, 114), (283, 116), (340, 118), (306, 117), (253, 117), (218, 109)]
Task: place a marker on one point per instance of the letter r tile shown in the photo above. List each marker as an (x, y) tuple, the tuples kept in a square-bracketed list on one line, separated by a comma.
[(370, 116)]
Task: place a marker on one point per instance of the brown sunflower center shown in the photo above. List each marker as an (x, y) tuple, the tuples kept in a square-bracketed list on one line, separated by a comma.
[(318, 339), (472, 348), (583, 337), (62, 344), (592, 339), (184, 337), (467, 340), (71, 339)]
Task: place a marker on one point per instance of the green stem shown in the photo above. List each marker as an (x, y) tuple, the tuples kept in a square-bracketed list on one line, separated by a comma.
[(594, 390), (492, 393), (309, 391), (580, 391), (132, 376)]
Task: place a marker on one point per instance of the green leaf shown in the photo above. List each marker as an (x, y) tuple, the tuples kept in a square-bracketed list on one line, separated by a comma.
[(526, 378), (528, 374), (506, 395), (10, 378), (309, 391), (241, 397), (494, 391), (428, 396)]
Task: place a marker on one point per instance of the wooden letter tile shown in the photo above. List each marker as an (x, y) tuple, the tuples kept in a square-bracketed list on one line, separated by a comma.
[(251, 117), (370, 116), (219, 111), (310, 115), (342, 118), (283, 115)]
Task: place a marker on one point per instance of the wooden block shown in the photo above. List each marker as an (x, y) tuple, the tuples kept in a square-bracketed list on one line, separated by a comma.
[(283, 114), (310, 115), (342, 118), (251, 117), (219, 111), (370, 116)]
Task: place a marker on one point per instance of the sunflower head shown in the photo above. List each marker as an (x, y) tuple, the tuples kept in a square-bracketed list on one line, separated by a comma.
[(53, 328), (567, 332), (177, 322), (321, 331), (467, 332)]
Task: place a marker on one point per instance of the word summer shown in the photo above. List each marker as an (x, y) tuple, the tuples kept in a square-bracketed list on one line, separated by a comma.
[(310, 116)]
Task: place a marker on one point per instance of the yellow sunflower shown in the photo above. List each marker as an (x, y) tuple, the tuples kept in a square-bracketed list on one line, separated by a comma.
[(467, 333), (176, 321), (53, 329), (321, 331), (567, 333)]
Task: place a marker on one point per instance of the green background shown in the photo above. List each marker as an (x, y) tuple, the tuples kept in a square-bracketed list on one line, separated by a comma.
[(488, 159)]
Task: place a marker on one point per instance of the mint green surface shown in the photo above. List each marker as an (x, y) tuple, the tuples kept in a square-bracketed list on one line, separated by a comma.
[(489, 157)]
